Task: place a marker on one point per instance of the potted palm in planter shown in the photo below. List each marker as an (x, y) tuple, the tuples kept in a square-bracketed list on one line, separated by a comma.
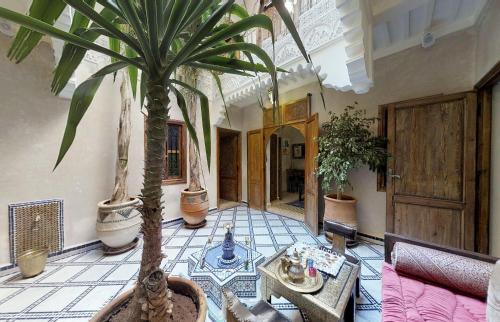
[(194, 199), (345, 144), (160, 36), (118, 220)]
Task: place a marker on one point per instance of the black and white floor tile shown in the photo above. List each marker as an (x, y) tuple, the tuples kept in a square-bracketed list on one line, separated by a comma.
[(73, 288)]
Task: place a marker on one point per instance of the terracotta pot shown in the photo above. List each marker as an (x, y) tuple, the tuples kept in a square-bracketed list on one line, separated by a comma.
[(194, 206), (343, 211), (118, 225), (176, 284)]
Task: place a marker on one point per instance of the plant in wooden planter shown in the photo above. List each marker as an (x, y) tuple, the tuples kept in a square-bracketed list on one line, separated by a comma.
[(159, 37), (346, 143)]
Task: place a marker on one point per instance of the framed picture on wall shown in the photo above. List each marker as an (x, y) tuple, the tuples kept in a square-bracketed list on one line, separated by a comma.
[(298, 151)]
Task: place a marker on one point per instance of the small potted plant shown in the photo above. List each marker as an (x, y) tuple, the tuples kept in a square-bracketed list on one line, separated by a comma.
[(346, 143)]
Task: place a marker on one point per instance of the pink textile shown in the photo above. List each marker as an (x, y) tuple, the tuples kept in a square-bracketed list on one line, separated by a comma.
[(408, 300), (454, 272)]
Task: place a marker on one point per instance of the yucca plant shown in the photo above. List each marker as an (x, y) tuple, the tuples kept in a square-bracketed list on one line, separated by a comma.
[(159, 37)]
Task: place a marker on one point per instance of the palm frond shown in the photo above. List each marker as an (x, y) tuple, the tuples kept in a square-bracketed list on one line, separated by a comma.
[(221, 92), (82, 98), (93, 15), (47, 29), (287, 19), (26, 39), (72, 55), (205, 117), (181, 102)]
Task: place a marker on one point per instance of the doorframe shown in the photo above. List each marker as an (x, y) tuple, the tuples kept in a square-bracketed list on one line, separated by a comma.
[(270, 130), (238, 161), (484, 88)]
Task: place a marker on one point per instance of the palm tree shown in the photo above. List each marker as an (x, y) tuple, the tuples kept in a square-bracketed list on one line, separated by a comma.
[(159, 36)]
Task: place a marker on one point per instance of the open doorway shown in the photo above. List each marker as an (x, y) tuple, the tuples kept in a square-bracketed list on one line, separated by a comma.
[(228, 168), (285, 164)]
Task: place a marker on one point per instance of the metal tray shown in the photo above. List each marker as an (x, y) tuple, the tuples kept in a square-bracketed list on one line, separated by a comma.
[(309, 285)]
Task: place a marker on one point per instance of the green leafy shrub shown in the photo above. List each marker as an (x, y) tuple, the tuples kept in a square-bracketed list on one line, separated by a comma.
[(345, 144)]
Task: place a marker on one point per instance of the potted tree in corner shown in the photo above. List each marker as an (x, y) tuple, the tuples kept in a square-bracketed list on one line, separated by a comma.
[(346, 143), (118, 220), (160, 36), (194, 199)]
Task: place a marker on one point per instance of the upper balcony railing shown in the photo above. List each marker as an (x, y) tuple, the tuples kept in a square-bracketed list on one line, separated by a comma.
[(318, 23)]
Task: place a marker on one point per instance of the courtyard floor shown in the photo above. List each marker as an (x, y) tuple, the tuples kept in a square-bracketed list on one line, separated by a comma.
[(74, 286)]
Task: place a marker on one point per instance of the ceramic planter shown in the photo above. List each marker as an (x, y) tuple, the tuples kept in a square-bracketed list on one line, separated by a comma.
[(175, 283), (118, 225), (194, 206), (343, 211)]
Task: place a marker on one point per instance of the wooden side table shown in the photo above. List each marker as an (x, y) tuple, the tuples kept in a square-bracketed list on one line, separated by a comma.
[(334, 302)]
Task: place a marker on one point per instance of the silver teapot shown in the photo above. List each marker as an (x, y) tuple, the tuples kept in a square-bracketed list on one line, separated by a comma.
[(292, 266)]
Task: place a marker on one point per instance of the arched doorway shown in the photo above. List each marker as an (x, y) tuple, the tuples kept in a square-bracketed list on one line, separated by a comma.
[(285, 172), (296, 115)]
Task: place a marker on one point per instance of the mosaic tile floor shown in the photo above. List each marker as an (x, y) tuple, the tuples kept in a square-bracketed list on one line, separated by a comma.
[(74, 287)]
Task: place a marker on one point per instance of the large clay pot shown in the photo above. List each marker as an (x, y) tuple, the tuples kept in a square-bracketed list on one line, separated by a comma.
[(343, 211), (118, 225), (194, 206), (175, 283)]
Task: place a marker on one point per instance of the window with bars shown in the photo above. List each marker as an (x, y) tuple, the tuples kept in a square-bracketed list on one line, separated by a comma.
[(175, 157)]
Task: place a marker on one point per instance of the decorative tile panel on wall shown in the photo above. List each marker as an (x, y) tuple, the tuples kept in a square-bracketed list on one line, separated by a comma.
[(36, 224)]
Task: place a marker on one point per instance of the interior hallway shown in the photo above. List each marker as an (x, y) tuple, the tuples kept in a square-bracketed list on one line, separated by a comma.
[(288, 205)]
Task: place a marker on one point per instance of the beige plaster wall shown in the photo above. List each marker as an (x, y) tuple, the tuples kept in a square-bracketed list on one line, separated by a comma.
[(32, 122), (488, 39), (446, 67)]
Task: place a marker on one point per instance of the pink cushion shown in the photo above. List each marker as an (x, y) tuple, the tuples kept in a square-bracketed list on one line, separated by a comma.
[(408, 300), (464, 274)]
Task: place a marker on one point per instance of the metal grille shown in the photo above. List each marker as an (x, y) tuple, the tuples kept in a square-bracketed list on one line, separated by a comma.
[(35, 224)]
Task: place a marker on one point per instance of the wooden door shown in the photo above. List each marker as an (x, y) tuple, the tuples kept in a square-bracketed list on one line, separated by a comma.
[(431, 172), (311, 181), (273, 168), (255, 169), (229, 168)]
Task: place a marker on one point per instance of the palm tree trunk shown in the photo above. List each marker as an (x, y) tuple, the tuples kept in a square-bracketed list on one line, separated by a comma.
[(141, 308), (120, 193), (156, 132)]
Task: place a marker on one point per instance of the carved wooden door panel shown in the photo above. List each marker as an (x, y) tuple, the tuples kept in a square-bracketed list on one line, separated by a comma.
[(431, 172), (311, 181), (229, 171), (255, 169)]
